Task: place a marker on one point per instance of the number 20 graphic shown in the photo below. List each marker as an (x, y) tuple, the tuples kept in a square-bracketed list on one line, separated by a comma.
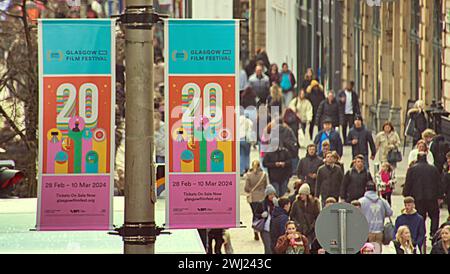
[(88, 96), (212, 102)]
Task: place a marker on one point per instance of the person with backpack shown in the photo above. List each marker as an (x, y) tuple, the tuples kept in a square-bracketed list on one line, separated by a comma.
[(330, 134), (375, 209), (304, 110), (355, 181), (280, 217), (287, 83), (413, 221)]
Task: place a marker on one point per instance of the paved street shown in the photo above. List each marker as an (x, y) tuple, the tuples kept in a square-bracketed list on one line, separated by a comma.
[(242, 239)]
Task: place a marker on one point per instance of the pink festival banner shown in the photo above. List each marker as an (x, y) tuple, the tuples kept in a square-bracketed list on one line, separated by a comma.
[(202, 101), (76, 124)]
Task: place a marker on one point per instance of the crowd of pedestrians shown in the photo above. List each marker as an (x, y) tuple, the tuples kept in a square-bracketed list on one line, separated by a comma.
[(285, 221)]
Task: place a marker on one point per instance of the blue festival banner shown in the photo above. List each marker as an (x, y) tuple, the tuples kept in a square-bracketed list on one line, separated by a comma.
[(76, 124)]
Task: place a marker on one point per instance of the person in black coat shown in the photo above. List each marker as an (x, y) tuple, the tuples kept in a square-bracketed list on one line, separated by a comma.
[(418, 121), (442, 247), (349, 101), (329, 179), (446, 181), (315, 94), (308, 166), (360, 138), (279, 164), (423, 184), (280, 217), (328, 133), (355, 181), (309, 76), (330, 108)]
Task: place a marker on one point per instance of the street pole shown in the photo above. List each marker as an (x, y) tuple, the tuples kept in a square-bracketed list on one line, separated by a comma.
[(139, 231)]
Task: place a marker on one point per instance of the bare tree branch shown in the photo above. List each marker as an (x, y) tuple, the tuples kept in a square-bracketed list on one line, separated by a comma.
[(14, 126)]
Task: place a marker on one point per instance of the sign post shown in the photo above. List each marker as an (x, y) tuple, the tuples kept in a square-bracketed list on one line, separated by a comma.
[(342, 229)]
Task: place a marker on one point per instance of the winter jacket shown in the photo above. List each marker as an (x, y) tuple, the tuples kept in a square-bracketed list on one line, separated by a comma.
[(307, 165), (333, 111), (305, 84), (439, 148), (446, 183), (265, 205), (385, 143), (278, 224), (412, 158), (329, 180), (287, 76), (305, 216), (423, 182), (375, 209), (416, 225), (364, 137), (335, 141), (278, 174), (399, 249), (248, 98), (354, 184), (261, 86), (288, 140), (303, 108), (355, 102), (283, 245), (316, 96), (275, 77), (438, 249), (420, 122), (251, 180)]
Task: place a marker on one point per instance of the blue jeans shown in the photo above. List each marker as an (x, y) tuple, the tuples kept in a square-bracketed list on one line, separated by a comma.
[(280, 187), (244, 156)]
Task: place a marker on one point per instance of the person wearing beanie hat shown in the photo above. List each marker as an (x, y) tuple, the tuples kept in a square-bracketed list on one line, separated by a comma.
[(264, 211), (305, 190), (360, 138), (305, 211)]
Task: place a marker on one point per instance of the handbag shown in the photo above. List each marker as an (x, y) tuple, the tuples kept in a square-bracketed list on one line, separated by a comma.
[(388, 232), (394, 156), (249, 196), (258, 225)]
